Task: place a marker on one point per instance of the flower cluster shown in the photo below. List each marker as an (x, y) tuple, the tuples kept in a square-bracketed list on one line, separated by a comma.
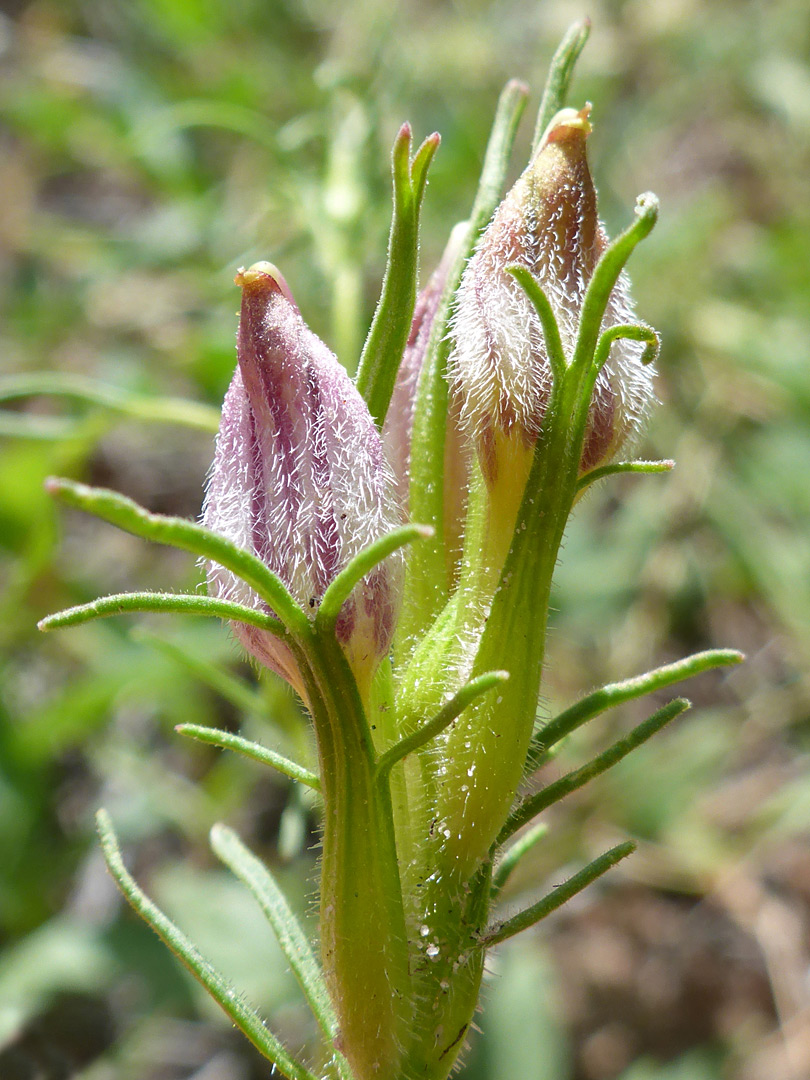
[(387, 545)]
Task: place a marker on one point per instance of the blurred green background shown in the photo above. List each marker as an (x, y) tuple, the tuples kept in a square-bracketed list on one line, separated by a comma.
[(150, 147)]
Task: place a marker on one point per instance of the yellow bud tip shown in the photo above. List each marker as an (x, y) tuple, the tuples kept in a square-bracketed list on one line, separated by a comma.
[(566, 122), (256, 277)]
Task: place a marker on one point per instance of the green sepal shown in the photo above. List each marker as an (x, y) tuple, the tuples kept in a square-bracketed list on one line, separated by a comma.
[(243, 1016), (577, 778), (226, 740), (628, 332), (340, 589), (166, 603), (608, 697), (391, 325), (604, 278), (545, 312), (294, 943), (623, 467), (184, 534), (560, 73), (557, 897), (442, 720)]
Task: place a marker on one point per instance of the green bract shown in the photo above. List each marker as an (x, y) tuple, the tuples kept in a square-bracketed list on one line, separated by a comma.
[(417, 646)]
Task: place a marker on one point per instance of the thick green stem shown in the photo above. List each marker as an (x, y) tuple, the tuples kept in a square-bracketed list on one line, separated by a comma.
[(363, 937)]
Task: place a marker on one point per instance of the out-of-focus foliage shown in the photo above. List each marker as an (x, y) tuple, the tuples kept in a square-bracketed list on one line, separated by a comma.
[(150, 147)]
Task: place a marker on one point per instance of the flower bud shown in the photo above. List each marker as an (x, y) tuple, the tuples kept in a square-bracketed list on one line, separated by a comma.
[(300, 479), (548, 223)]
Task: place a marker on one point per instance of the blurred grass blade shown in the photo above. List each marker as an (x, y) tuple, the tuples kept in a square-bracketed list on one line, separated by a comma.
[(146, 407), (557, 897), (293, 941), (165, 603), (608, 697), (391, 325), (624, 467), (512, 856), (239, 692), (228, 741), (188, 535), (446, 715), (560, 73), (353, 573), (427, 584), (552, 793), (245, 1018)]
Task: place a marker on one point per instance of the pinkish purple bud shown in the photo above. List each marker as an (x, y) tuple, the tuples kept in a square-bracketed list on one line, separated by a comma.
[(300, 478), (548, 223)]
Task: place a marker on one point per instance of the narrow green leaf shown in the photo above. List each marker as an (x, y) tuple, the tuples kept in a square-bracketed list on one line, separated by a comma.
[(525, 843), (572, 781), (605, 276), (293, 941), (608, 697), (557, 897), (560, 73), (244, 1017), (166, 603), (151, 409), (623, 467), (227, 741), (353, 573), (391, 325), (545, 312), (188, 535), (450, 712)]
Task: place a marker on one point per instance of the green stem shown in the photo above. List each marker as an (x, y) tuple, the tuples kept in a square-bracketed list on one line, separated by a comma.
[(363, 936)]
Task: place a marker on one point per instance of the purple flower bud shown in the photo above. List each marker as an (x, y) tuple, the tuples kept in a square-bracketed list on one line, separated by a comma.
[(300, 478), (548, 223)]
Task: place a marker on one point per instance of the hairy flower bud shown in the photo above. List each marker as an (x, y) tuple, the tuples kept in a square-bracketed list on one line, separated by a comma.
[(300, 478), (547, 223)]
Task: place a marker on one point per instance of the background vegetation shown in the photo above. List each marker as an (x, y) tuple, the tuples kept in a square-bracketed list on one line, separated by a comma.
[(147, 149)]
